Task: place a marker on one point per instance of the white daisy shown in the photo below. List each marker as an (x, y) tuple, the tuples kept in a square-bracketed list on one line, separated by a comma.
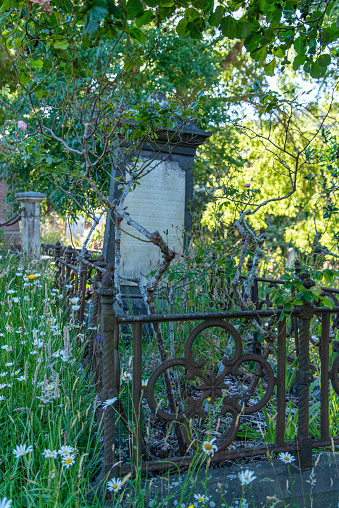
[(7, 347), (144, 383), (201, 499), (22, 450), (286, 457), (9, 364), (3, 374), (209, 448), (246, 477), (126, 376), (75, 300), (114, 485), (109, 402), (66, 450), (50, 454), (75, 307), (68, 461), (21, 378), (5, 503), (2, 397), (11, 291)]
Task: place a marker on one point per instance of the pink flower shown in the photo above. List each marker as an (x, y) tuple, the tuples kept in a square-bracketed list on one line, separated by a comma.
[(247, 185), (22, 125)]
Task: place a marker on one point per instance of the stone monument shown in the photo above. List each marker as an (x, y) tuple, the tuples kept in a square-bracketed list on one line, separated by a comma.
[(162, 202), (30, 222)]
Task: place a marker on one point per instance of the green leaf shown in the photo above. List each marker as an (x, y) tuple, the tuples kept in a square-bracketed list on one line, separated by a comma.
[(279, 52), (259, 54), (138, 34), (243, 28), (61, 44), (38, 64), (324, 60), (269, 68), (298, 61), (213, 19), (308, 295), (299, 45), (182, 27), (114, 10), (229, 27), (144, 19), (152, 3), (327, 302), (24, 78), (202, 4), (252, 42), (98, 10), (134, 7)]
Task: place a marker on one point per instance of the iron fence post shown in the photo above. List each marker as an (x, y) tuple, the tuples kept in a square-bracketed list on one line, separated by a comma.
[(108, 324), (57, 254), (304, 378)]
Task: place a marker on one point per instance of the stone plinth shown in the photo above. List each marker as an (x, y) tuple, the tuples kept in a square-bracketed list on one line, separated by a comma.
[(30, 222)]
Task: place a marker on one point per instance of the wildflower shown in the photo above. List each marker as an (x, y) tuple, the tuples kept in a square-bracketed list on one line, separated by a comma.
[(31, 276), (3, 374), (9, 364), (2, 398), (286, 457), (52, 474), (22, 125), (68, 286), (22, 450), (209, 448), (21, 378), (75, 307), (68, 461), (114, 485), (2, 334), (144, 383), (7, 348), (3, 386), (246, 477), (201, 499), (16, 299), (5, 503), (50, 454), (247, 185), (75, 300), (65, 451), (10, 291), (109, 402), (15, 373), (126, 376)]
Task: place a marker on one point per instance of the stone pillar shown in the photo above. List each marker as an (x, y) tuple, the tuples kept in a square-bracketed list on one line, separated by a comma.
[(161, 202), (30, 222)]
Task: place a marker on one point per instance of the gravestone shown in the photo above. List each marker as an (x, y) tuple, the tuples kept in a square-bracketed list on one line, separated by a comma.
[(162, 202)]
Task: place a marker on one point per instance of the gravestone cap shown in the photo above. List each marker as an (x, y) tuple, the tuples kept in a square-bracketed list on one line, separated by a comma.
[(30, 196)]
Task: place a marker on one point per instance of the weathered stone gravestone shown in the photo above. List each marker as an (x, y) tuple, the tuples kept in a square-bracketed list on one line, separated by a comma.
[(162, 202)]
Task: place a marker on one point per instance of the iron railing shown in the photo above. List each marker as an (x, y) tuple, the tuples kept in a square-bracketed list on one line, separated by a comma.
[(199, 386)]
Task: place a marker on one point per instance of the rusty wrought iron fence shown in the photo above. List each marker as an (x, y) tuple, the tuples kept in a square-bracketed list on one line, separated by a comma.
[(182, 392)]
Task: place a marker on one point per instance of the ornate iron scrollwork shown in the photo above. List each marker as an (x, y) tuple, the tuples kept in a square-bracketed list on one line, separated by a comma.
[(203, 386)]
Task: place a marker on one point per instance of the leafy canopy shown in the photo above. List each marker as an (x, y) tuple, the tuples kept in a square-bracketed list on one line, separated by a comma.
[(270, 29)]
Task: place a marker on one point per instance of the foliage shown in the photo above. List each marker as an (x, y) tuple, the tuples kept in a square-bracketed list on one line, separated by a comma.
[(269, 29)]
